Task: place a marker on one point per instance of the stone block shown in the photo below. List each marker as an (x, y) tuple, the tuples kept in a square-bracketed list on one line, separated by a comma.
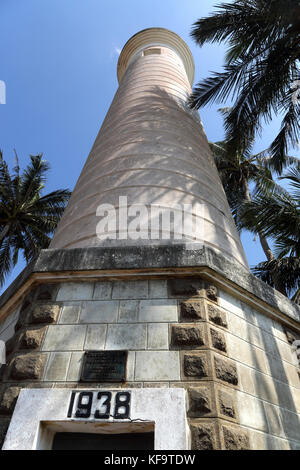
[(255, 336), (263, 441), (130, 369), (130, 290), (186, 288), (231, 304), (27, 366), (216, 315), (225, 370), (273, 415), (285, 395), (75, 365), (265, 387), (270, 345), (95, 337), (226, 403), (152, 311), (218, 340), (292, 374), (128, 311), (204, 436), (278, 330), (99, 311), (47, 292), (258, 359), (195, 365), (261, 321), (126, 337), (291, 424), (285, 351), (238, 327), (9, 399), (64, 338), (296, 400), (45, 313), (247, 354), (102, 290), (187, 336), (235, 438), (57, 367), (70, 313), (158, 336), (246, 378), (32, 338), (211, 292), (200, 401), (192, 311), (251, 412), (157, 366), (75, 291), (192, 288), (158, 289)]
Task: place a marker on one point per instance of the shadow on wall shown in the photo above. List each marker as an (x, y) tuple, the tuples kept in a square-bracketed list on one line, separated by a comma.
[(281, 412)]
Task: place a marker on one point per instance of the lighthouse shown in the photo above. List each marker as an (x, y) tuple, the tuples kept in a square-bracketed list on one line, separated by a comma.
[(152, 151), (141, 327)]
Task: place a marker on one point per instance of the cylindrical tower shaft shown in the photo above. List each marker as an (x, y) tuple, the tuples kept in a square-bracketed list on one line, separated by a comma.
[(152, 151)]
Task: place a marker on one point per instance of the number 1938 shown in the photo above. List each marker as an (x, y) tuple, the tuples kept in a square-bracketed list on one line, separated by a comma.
[(99, 405)]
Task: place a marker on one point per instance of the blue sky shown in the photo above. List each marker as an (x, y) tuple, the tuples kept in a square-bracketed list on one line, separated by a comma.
[(59, 59)]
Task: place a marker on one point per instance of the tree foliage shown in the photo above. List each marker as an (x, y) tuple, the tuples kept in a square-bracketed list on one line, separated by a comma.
[(27, 218), (260, 72)]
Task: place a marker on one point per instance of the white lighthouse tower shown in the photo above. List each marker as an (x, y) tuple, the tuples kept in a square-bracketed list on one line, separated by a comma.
[(141, 326)]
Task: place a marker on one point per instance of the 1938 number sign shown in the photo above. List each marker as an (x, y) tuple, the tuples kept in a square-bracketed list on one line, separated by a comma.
[(99, 405)]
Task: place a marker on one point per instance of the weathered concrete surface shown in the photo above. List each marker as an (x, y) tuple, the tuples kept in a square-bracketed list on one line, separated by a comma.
[(157, 257)]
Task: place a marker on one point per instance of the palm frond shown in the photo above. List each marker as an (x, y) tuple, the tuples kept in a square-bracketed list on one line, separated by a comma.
[(262, 63), (287, 268), (27, 219)]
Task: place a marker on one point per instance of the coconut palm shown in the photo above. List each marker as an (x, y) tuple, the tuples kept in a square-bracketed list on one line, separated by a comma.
[(238, 170), (27, 218), (277, 215), (261, 70)]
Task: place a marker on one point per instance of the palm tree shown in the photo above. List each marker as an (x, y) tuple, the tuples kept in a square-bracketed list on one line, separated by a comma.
[(261, 70), (277, 215), (237, 171), (27, 218)]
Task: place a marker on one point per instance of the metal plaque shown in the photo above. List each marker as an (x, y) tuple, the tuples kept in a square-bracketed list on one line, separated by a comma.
[(104, 366)]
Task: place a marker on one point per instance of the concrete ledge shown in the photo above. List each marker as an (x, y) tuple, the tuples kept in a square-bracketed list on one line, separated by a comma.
[(145, 258), (17, 283)]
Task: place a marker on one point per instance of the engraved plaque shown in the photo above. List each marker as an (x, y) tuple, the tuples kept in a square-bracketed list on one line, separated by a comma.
[(104, 366)]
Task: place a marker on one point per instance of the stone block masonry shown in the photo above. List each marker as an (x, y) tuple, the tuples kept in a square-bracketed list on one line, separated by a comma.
[(236, 365)]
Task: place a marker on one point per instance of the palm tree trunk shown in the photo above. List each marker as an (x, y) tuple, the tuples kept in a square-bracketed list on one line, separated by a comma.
[(266, 247), (263, 241), (4, 232)]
